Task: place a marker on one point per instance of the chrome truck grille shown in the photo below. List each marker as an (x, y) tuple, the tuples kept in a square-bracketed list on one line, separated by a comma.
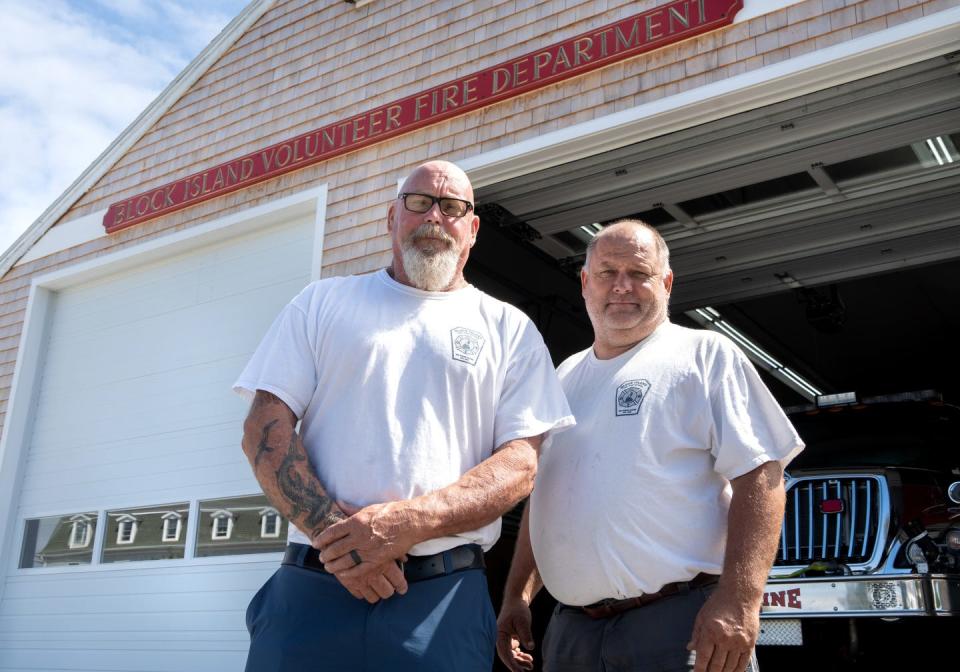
[(835, 519)]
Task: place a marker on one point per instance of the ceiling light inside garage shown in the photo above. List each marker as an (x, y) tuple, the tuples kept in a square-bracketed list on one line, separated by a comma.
[(592, 230), (936, 151), (710, 318)]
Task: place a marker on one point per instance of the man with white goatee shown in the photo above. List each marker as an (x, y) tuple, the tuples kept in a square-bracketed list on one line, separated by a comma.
[(421, 404)]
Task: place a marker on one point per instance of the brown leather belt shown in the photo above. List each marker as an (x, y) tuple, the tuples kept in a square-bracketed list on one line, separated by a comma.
[(611, 607)]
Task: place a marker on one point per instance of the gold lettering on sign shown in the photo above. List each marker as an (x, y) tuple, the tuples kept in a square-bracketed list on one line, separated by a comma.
[(246, 168), (501, 78), (450, 97), (376, 121), (561, 59), (328, 138), (469, 94), (357, 133), (540, 61), (316, 145), (677, 17), (393, 116), (629, 41), (266, 157), (418, 105), (343, 132), (653, 28), (520, 73), (603, 41), (582, 52), (217, 181)]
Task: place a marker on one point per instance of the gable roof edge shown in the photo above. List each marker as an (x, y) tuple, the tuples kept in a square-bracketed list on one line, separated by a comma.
[(136, 130)]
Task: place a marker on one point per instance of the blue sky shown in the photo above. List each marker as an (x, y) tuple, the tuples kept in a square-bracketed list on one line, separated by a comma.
[(73, 75)]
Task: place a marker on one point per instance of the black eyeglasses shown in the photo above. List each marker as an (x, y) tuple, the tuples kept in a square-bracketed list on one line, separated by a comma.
[(451, 207)]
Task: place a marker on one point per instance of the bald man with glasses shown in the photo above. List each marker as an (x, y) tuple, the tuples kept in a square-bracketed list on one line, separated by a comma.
[(421, 404)]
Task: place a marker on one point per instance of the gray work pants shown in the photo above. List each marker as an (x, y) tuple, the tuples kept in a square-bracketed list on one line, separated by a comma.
[(649, 639)]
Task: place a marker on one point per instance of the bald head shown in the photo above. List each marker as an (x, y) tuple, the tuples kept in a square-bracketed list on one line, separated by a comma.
[(629, 227), (444, 171)]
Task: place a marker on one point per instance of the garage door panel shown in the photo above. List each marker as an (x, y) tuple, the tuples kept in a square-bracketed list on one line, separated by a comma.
[(169, 464), (166, 296), (102, 415), (128, 582), (135, 402)]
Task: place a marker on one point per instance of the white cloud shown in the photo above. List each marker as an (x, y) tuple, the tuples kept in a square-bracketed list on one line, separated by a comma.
[(73, 75)]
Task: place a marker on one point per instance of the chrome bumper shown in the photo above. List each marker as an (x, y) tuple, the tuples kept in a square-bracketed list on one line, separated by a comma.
[(862, 596)]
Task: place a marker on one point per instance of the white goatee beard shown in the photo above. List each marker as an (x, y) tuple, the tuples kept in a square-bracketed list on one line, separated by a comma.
[(430, 271)]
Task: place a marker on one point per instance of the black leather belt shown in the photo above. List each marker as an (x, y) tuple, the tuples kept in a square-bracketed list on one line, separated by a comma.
[(611, 607), (416, 568)]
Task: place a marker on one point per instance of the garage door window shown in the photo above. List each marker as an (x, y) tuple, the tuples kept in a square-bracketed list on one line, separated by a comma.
[(57, 541), (145, 533), (239, 525)]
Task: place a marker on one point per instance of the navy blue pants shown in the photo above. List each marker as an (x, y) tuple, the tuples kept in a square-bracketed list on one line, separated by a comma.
[(304, 620)]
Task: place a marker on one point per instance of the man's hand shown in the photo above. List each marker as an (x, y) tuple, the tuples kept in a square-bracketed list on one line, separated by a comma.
[(513, 631), (724, 634), (378, 584), (378, 534)]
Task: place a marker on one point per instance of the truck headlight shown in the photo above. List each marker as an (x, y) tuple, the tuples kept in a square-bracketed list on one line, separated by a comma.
[(952, 539)]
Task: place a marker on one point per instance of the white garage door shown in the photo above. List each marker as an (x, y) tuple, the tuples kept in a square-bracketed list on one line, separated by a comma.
[(135, 410)]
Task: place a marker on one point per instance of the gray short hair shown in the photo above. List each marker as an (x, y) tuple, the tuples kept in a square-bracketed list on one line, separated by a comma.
[(663, 252)]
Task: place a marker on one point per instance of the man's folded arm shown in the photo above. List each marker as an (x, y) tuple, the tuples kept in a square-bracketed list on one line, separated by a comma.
[(281, 466), (388, 530)]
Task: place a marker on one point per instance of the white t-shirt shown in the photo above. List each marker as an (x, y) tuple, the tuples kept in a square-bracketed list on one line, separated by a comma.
[(636, 495), (401, 391)]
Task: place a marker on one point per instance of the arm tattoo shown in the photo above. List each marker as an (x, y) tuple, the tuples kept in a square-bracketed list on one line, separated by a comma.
[(304, 497), (262, 447)]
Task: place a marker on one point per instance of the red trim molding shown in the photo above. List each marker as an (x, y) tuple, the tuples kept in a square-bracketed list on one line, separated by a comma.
[(653, 29)]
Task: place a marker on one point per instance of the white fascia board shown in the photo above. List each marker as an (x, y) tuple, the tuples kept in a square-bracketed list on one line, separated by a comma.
[(66, 235), (136, 130), (884, 50), (307, 202), (754, 8)]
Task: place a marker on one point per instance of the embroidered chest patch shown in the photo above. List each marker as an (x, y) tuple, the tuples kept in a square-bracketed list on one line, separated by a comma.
[(466, 344), (630, 395)]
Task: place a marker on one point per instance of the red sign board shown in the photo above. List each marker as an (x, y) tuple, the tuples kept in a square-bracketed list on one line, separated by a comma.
[(653, 29)]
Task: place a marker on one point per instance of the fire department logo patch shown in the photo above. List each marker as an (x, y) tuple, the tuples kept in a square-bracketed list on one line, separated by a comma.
[(630, 395), (466, 344)]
